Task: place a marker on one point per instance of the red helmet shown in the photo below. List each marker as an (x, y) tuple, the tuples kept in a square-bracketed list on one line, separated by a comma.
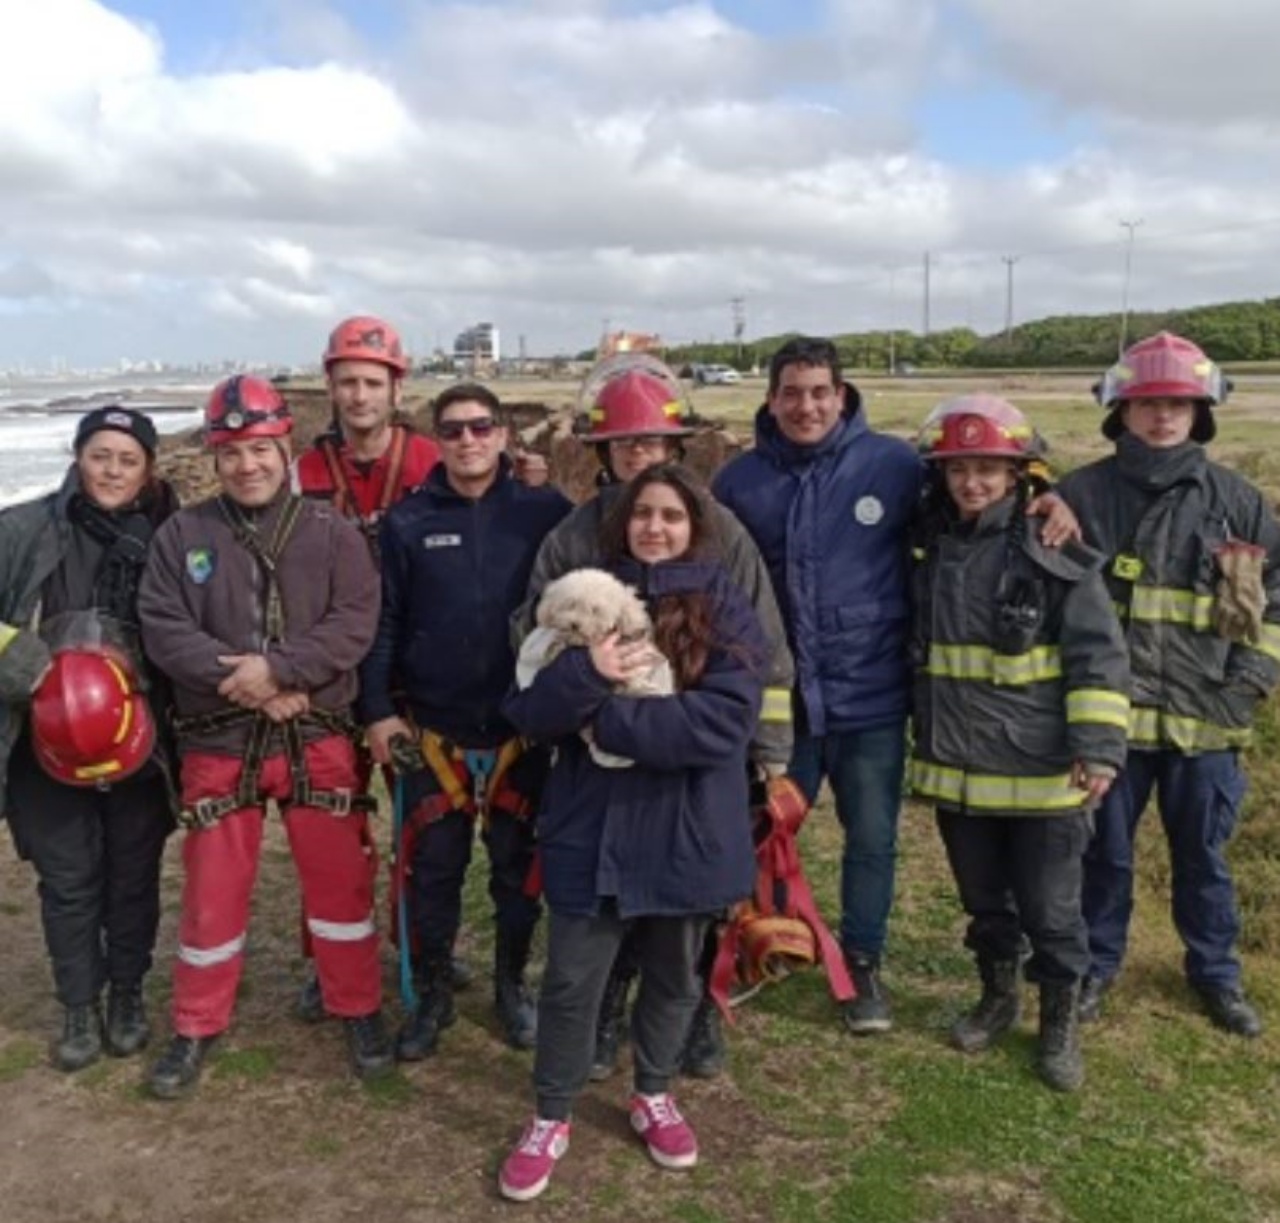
[(365, 338), (89, 724), (1164, 366), (976, 426), (244, 407), (634, 395)]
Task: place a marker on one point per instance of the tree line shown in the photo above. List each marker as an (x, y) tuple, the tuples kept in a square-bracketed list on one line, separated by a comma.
[(1229, 332)]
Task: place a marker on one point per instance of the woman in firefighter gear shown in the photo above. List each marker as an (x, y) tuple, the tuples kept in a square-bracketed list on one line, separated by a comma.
[(637, 417), (1193, 562), (656, 850), (258, 605), (1019, 710), (456, 557), (86, 789)]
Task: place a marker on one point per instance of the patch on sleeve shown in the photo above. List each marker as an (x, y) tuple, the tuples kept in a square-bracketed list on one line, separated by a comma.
[(868, 510), (201, 562)]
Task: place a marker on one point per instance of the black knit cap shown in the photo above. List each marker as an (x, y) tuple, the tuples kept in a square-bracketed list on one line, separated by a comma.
[(138, 425)]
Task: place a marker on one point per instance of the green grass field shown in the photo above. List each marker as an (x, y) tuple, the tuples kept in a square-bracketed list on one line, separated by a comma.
[(1176, 1123)]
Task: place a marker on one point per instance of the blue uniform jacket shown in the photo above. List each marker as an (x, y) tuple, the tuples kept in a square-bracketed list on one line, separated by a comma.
[(670, 835), (831, 523), (453, 571)]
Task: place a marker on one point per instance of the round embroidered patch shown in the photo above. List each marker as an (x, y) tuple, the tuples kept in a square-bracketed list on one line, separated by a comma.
[(868, 510)]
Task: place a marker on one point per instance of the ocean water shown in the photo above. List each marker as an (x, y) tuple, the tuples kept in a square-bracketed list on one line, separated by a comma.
[(35, 442)]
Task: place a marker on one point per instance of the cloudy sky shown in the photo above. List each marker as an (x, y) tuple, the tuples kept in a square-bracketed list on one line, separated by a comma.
[(197, 181)]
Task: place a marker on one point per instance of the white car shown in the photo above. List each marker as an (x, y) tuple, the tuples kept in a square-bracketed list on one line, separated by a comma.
[(717, 375)]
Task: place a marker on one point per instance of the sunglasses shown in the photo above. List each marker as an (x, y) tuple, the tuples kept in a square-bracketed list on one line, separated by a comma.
[(478, 427)]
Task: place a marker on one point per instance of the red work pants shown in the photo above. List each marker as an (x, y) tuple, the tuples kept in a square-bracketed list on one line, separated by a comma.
[(336, 866)]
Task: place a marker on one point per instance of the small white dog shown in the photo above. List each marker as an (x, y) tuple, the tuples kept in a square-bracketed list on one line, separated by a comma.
[(580, 609)]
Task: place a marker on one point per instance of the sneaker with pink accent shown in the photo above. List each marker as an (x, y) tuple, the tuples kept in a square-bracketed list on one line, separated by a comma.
[(669, 1137), (528, 1168)]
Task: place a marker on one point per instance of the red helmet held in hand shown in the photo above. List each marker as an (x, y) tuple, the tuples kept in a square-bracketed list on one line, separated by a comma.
[(365, 338), (90, 725), (244, 407)]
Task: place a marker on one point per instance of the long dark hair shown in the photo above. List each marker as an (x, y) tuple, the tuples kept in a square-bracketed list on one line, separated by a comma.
[(683, 626)]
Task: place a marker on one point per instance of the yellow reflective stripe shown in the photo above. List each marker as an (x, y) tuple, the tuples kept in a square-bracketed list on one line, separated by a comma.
[(1150, 727), (1168, 605), (979, 662), (776, 706), (992, 791), (1268, 645), (1098, 705), (7, 634)]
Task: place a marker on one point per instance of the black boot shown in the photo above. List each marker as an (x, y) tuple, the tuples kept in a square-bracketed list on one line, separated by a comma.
[(1092, 994), (369, 1046), (703, 1055), (420, 1034), (460, 974), (80, 1044), (178, 1069), (1058, 1060), (309, 1004), (996, 1011), (128, 1029), (517, 1011), (869, 1012), (611, 1024), (1230, 1010)]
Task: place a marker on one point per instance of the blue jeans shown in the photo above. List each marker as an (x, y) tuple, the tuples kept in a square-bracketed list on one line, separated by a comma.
[(1199, 801), (864, 769)]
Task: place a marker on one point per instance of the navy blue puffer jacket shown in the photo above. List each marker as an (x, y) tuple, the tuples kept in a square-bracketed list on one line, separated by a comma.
[(831, 522)]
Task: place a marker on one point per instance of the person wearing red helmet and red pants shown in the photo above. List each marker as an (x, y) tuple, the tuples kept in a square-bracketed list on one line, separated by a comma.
[(369, 459), (259, 605), (1194, 564), (83, 781), (1019, 710)]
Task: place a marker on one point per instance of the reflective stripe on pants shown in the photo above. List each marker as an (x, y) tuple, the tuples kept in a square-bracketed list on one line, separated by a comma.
[(336, 867)]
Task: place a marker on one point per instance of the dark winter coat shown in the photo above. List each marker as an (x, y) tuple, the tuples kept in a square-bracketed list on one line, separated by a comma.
[(575, 544), (831, 523), (1159, 516), (671, 834), (453, 572), (36, 537), (204, 594), (1021, 669)]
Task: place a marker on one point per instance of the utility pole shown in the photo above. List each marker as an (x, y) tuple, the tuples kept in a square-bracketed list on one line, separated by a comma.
[(1009, 261), (1131, 226), (893, 318), (738, 307), (925, 334)]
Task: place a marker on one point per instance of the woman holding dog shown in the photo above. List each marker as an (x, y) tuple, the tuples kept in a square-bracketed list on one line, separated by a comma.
[(653, 851), (637, 418)]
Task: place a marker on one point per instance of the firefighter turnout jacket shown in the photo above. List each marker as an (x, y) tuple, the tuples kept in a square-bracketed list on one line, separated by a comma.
[(1160, 517), (1020, 668)]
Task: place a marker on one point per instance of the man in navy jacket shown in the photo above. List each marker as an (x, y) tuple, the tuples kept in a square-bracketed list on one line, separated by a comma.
[(456, 558), (828, 501)]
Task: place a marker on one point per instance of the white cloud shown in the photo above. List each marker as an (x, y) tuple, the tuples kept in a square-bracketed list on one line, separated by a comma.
[(547, 165)]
